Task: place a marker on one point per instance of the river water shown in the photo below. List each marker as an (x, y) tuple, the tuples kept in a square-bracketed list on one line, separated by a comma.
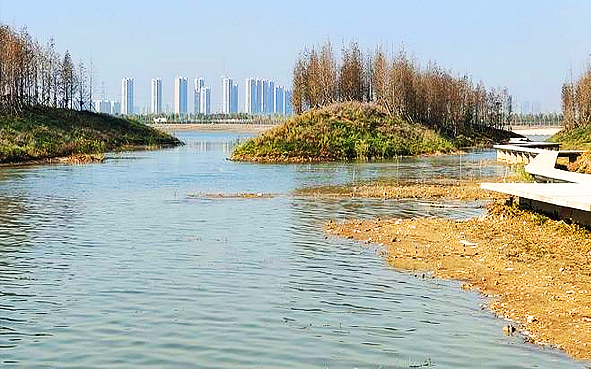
[(125, 265)]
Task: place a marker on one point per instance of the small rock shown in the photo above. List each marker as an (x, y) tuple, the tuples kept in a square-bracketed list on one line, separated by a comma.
[(509, 330), (531, 319)]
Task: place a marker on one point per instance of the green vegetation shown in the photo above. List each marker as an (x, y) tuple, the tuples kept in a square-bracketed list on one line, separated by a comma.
[(521, 175), (349, 131), (38, 133), (575, 137)]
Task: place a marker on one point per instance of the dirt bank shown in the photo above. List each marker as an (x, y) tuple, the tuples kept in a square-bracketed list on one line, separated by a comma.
[(537, 271), (454, 190)]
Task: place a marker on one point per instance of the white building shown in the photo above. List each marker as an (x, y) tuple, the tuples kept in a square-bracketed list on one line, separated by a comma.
[(250, 91), (180, 95), (127, 99), (205, 100), (227, 95), (156, 96), (197, 85), (278, 100)]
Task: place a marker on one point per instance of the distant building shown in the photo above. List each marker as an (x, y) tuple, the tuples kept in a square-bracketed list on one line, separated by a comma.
[(234, 98), (156, 96), (229, 96), (250, 86), (278, 100), (101, 106), (259, 97), (205, 100), (197, 85), (287, 107), (127, 99), (115, 107), (180, 95)]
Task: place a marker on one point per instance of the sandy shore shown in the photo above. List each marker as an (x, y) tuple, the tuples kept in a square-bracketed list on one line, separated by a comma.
[(248, 128), (536, 271), (535, 131)]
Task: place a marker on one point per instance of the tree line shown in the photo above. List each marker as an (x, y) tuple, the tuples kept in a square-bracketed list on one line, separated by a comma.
[(429, 95), (576, 101), (35, 74)]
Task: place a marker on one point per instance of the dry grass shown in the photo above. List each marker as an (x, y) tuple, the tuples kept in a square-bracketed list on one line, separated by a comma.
[(537, 270)]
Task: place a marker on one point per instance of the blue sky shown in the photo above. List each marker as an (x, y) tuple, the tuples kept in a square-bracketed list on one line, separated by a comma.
[(528, 46)]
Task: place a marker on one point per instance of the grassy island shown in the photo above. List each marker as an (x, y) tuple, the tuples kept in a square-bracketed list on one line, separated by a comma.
[(43, 133), (349, 131)]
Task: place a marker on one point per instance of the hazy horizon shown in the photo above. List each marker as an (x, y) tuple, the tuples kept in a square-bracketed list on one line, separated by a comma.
[(531, 47)]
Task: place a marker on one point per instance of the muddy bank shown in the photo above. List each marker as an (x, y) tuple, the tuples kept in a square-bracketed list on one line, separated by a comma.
[(536, 271), (72, 159), (453, 190)]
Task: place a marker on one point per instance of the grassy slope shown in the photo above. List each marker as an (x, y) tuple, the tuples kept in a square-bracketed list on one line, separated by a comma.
[(576, 138), (349, 131), (40, 133)]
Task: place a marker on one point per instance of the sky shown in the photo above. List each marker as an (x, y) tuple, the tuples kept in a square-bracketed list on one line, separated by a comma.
[(531, 47)]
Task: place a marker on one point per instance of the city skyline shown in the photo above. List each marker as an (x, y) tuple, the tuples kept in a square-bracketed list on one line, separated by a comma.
[(527, 46), (270, 98)]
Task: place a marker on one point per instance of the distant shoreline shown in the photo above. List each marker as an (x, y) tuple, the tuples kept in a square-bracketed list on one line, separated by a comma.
[(533, 130), (231, 127)]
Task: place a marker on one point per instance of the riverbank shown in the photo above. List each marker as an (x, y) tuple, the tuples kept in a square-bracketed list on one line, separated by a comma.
[(535, 270), (43, 134)]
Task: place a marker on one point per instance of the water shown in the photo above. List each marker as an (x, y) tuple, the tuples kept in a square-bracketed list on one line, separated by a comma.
[(114, 265)]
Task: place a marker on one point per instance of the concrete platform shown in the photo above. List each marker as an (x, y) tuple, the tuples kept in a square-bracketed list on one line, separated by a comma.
[(542, 168), (572, 195), (525, 152), (566, 201)]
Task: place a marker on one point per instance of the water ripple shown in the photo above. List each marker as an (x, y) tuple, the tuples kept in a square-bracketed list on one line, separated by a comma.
[(114, 258)]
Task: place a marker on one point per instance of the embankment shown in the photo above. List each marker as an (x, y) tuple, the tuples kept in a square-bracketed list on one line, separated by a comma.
[(38, 134), (535, 270)]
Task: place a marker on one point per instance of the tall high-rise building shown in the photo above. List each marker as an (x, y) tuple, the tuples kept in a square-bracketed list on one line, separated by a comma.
[(198, 84), (259, 97), (250, 94), (270, 97), (264, 101), (278, 101), (127, 99), (180, 95), (115, 107), (234, 98), (205, 100), (287, 107), (227, 95), (156, 96)]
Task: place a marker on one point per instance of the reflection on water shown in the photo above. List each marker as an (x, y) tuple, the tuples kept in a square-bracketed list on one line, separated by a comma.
[(113, 265)]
